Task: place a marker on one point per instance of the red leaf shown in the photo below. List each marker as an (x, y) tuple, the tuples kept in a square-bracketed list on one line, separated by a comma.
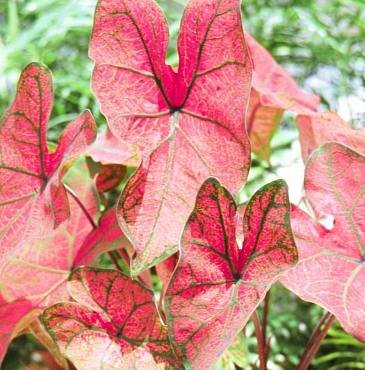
[(317, 129), (29, 178), (190, 122), (217, 285), (110, 176), (114, 324), (39, 267), (107, 237), (274, 91), (331, 270), (12, 318)]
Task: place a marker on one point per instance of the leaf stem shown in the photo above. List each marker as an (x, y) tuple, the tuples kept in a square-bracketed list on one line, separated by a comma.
[(81, 205), (261, 345), (114, 260), (319, 333), (264, 324), (90, 219)]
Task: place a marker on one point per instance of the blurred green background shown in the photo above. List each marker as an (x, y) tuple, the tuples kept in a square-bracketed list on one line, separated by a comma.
[(321, 43)]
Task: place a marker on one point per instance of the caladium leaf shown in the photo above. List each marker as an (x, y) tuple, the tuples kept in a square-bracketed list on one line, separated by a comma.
[(274, 91), (107, 237), (110, 176), (29, 172), (13, 318), (113, 324), (57, 360), (108, 149), (39, 267), (262, 123), (317, 129), (217, 285), (331, 269), (188, 124)]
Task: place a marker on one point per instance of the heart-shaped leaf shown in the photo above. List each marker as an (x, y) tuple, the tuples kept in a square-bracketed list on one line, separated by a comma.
[(217, 285), (113, 324), (29, 172), (318, 129), (331, 269), (39, 267), (274, 91), (188, 124)]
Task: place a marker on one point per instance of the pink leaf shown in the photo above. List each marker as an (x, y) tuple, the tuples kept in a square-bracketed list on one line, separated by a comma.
[(114, 324), (317, 129), (107, 237), (44, 259), (331, 270), (13, 317), (188, 124), (274, 91), (108, 149), (29, 178), (217, 285)]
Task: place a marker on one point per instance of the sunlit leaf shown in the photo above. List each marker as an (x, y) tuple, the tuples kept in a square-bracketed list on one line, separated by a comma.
[(331, 269), (113, 324), (217, 285), (188, 124)]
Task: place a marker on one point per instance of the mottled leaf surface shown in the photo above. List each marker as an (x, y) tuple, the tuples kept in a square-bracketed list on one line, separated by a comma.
[(110, 176), (274, 91), (39, 267), (331, 270), (113, 324), (217, 285), (29, 172), (188, 124), (318, 129)]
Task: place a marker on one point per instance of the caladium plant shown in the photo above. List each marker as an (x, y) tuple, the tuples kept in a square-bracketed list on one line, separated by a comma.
[(217, 285), (29, 173), (113, 333), (179, 119), (331, 270), (175, 233)]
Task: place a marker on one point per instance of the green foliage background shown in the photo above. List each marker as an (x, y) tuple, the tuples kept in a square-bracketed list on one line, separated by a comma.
[(321, 42)]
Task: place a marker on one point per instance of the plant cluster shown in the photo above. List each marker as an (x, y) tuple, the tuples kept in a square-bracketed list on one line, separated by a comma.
[(191, 265)]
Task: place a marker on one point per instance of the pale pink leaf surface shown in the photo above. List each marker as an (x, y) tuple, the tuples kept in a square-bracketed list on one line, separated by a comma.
[(29, 178), (188, 124), (108, 149), (320, 128), (113, 324), (274, 91), (217, 285), (331, 269), (39, 267), (276, 87)]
